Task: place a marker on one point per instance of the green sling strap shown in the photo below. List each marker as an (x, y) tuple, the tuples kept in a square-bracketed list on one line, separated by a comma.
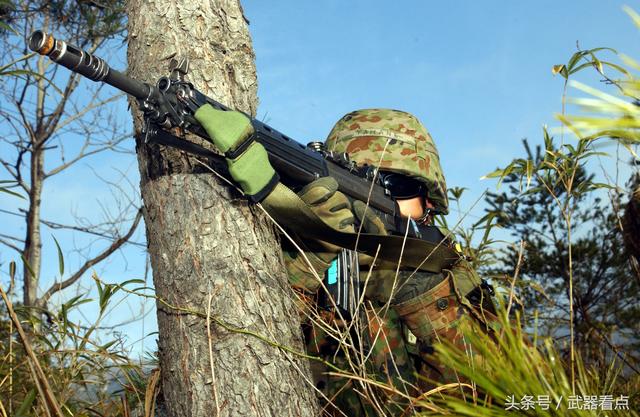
[(292, 213)]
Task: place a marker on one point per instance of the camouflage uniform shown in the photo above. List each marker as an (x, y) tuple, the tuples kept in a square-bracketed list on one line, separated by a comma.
[(424, 303)]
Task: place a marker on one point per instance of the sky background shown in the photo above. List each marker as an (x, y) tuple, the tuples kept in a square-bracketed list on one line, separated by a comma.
[(477, 74)]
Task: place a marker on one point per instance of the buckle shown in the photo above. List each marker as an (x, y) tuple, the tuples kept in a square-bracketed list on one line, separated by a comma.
[(239, 150), (486, 286)]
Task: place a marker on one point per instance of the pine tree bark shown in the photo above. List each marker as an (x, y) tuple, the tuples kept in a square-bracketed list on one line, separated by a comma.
[(204, 240)]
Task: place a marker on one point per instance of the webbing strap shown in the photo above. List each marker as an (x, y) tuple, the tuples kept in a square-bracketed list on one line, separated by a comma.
[(291, 212)]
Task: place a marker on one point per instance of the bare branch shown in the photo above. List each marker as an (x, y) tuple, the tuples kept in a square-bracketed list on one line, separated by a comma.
[(11, 245), (72, 83), (84, 111), (25, 122), (15, 175), (9, 169), (88, 264), (12, 119), (15, 239), (84, 154), (49, 126), (53, 225)]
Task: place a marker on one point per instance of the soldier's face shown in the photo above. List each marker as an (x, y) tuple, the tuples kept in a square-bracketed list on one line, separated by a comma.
[(417, 208)]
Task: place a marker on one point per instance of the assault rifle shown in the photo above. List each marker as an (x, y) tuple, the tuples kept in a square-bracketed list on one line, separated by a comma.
[(173, 100)]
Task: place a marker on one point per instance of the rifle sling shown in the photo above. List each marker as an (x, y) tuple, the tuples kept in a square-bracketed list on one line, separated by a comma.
[(292, 212)]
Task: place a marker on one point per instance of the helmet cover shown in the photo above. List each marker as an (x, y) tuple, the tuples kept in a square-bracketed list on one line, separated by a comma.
[(394, 141)]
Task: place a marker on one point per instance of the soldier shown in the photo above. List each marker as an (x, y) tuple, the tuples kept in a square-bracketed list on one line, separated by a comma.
[(427, 305)]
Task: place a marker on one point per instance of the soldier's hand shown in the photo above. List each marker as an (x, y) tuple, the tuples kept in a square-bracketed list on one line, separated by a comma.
[(370, 223), (368, 219), (230, 131), (333, 207)]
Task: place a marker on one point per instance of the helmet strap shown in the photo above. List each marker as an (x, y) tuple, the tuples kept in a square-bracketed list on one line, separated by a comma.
[(428, 213)]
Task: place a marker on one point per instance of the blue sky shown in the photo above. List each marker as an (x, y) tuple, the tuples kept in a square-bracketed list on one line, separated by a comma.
[(478, 74)]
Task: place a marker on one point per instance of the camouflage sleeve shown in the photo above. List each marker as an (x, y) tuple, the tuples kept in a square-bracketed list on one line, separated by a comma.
[(465, 277), (301, 273)]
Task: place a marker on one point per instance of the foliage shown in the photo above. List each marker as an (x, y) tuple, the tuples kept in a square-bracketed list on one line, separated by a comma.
[(571, 269), (84, 20), (588, 249), (572, 265), (87, 375), (39, 136), (509, 366), (480, 252), (606, 115)]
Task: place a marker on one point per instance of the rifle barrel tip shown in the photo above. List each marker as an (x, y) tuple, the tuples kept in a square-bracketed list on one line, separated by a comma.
[(41, 42)]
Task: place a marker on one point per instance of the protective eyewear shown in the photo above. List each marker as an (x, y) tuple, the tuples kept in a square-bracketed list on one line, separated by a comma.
[(400, 186)]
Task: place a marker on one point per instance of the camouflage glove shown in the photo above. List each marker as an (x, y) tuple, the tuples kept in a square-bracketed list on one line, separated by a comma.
[(369, 223), (333, 207), (379, 276), (248, 161), (367, 218)]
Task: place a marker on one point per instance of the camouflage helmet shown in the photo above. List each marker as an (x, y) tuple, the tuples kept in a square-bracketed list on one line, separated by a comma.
[(363, 135)]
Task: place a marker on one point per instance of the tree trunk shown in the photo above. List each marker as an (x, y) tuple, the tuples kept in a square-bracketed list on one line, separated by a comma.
[(33, 243), (204, 240)]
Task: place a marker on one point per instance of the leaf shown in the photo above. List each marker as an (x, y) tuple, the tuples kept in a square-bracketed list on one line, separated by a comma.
[(131, 281), (529, 172), (144, 287), (99, 287), (15, 61), (601, 48), (495, 174), (633, 15), (19, 72), (556, 69), (456, 192), (582, 66), (60, 257), (501, 173), (603, 185), (574, 60), (107, 345), (28, 266), (488, 217), (23, 409), (105, 292), (13, 193), (597, 63), (616, 67), (534, 190), (76, 301), (9, 28)]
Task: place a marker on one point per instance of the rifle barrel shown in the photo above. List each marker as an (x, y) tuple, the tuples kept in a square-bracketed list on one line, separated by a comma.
[(86, 64)]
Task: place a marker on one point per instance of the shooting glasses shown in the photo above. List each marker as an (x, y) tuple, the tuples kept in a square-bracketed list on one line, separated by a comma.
[(401, 187)]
